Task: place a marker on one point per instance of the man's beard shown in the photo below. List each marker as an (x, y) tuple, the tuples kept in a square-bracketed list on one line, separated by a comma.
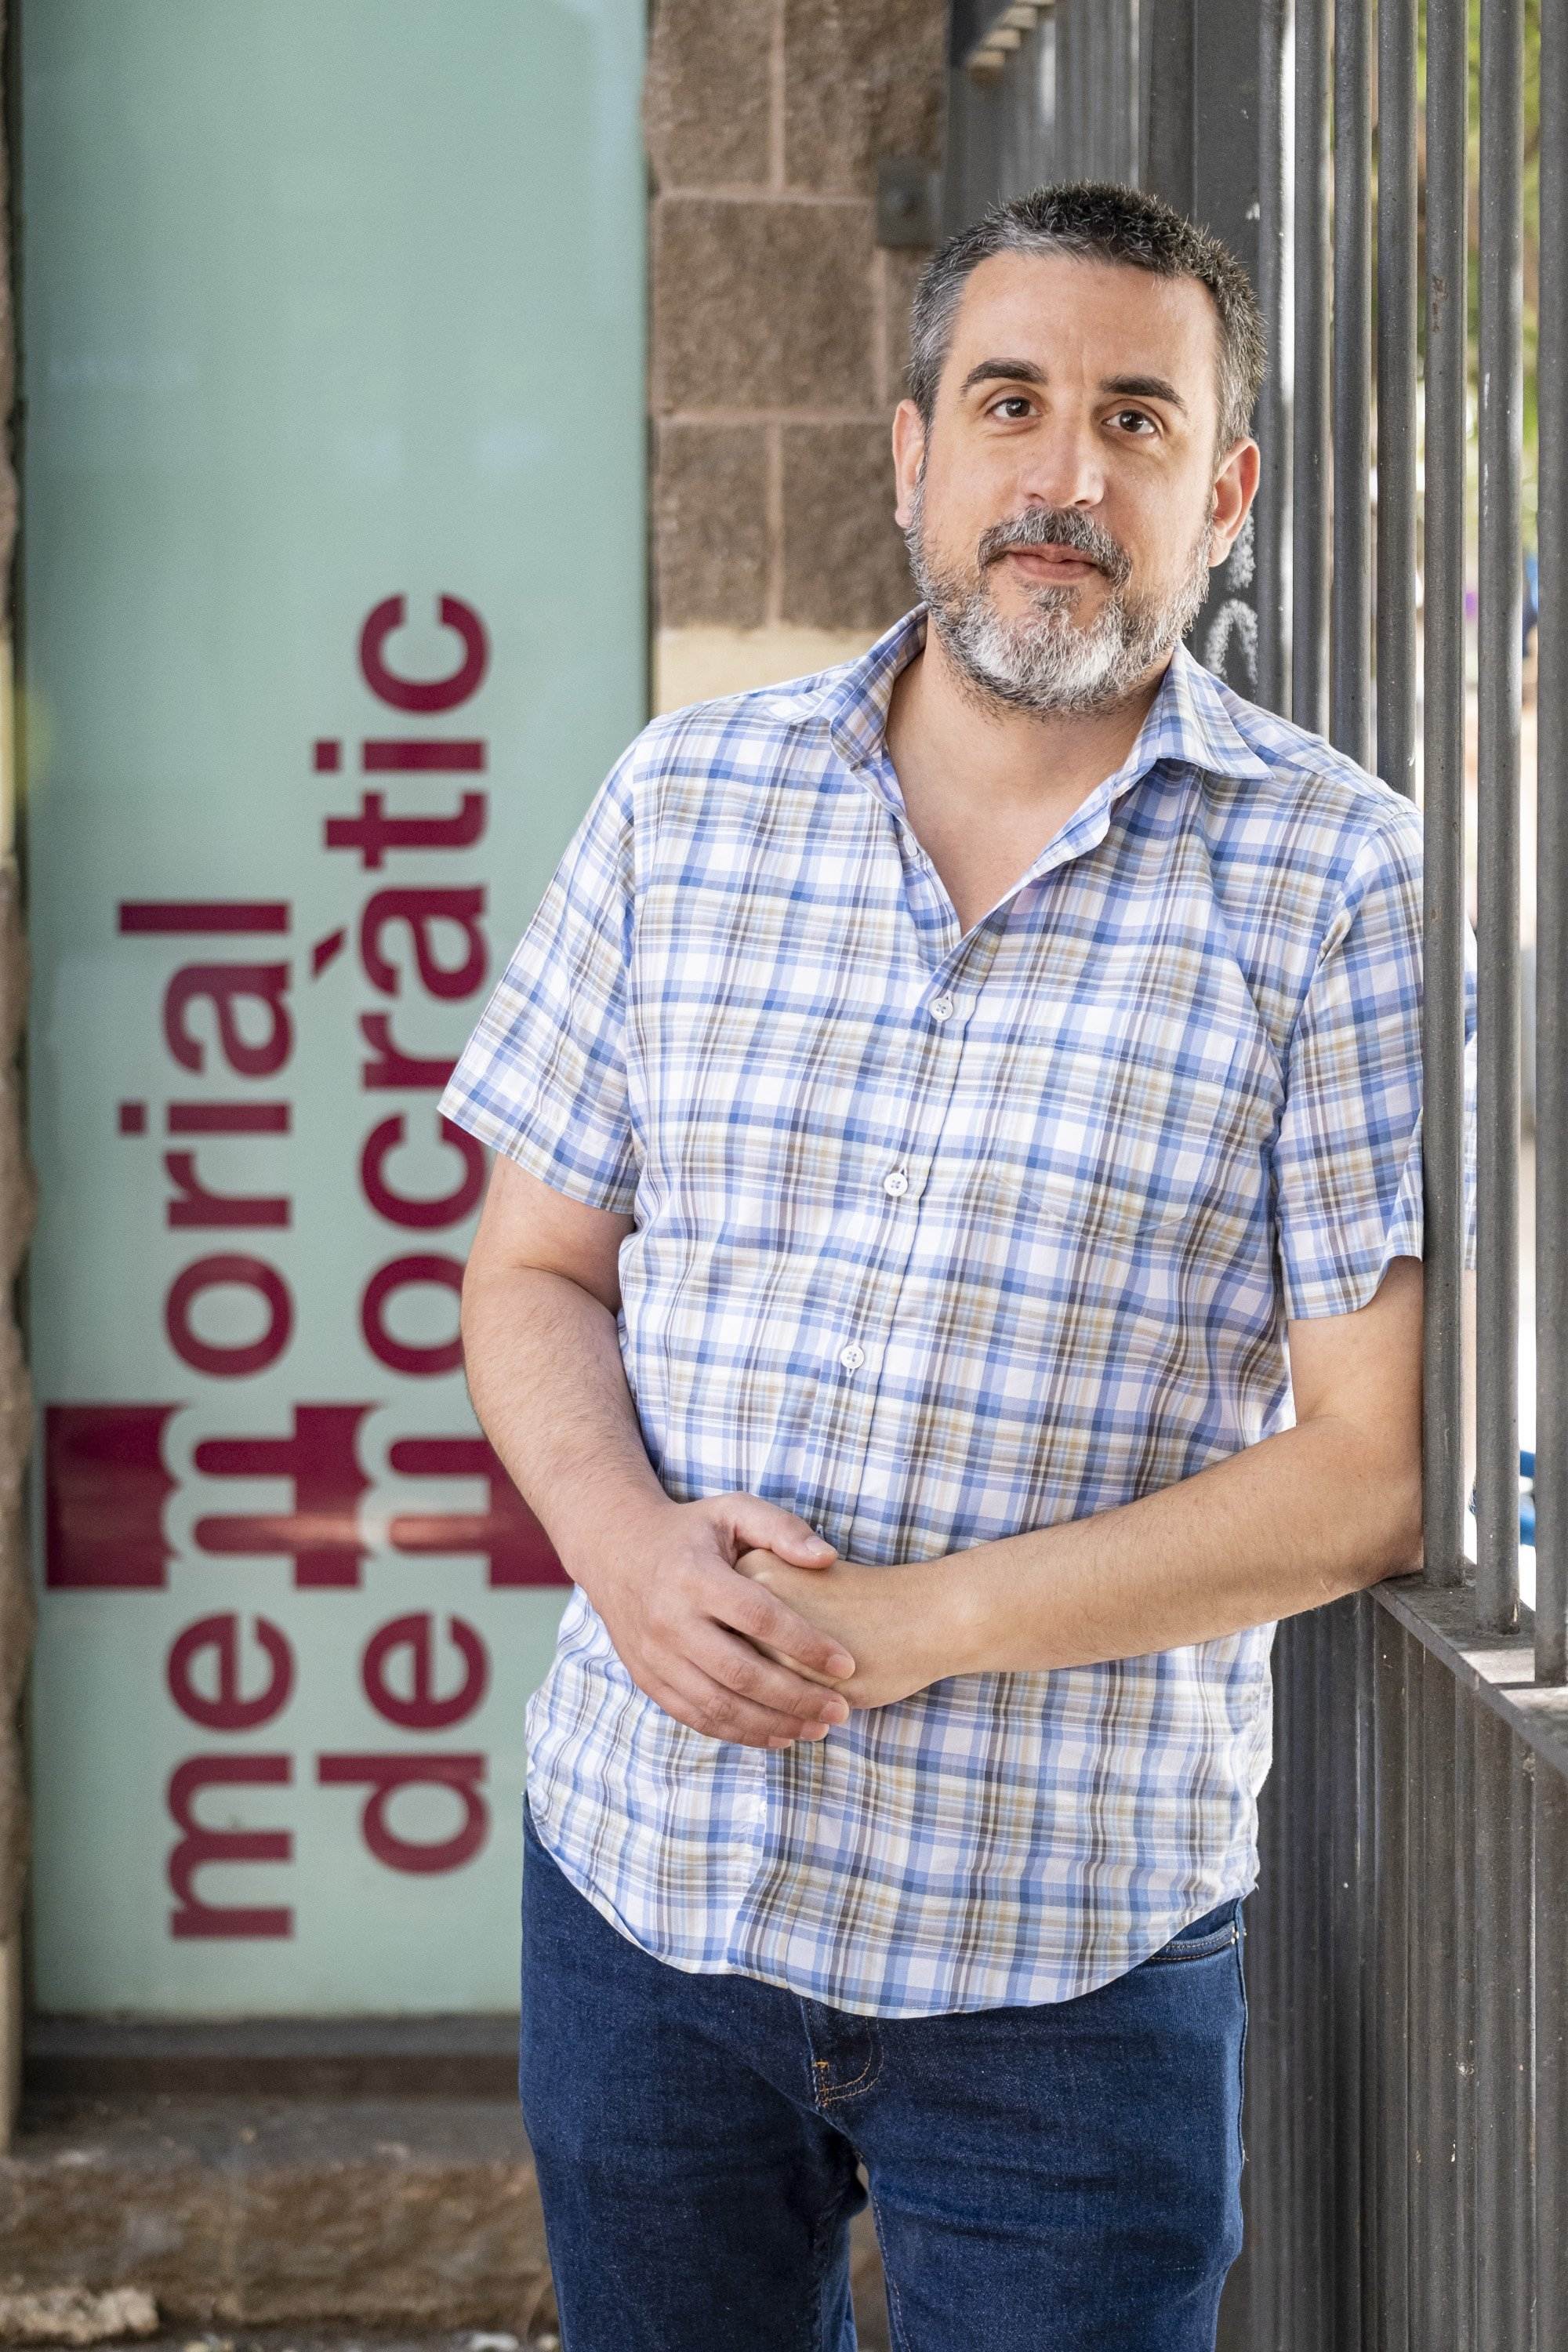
[(1043, 661)]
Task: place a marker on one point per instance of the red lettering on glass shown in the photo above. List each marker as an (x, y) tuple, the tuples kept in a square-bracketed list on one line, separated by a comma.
[(424, 1360), (423, 911), (228, 1119), (199, 1847), (216, 1639), (451, 755), (506, 1533), (227, 985), (178, 917), (385, 1775), (403, 1209), (198, 1206), (393, 1066), (372, 833), (320, 1461), (423, 1708), (424, 694), (104, 1490), (216, 1273)]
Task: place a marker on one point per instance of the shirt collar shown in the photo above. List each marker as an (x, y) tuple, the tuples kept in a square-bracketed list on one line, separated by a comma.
[(1190, 720)]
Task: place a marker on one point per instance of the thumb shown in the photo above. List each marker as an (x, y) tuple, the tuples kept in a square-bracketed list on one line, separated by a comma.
[(769, 1526)]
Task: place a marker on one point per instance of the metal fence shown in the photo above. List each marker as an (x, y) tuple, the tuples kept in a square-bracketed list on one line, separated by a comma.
[(1406, 2117)]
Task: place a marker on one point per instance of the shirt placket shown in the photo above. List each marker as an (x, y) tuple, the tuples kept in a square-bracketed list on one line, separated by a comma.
[(947, 1002), (944, 999)]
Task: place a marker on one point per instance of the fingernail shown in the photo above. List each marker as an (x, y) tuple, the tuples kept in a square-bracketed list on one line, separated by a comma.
[(840, 1663), (784, 1740)]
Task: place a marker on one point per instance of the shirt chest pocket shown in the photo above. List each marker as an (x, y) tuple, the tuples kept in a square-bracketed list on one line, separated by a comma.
[(1137, 1138)]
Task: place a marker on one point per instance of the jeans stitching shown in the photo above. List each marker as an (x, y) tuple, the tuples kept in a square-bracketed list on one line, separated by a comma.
[(1241, 2056), (1203, 1951), (896, 2328), (871, 2070), (821, 2247)]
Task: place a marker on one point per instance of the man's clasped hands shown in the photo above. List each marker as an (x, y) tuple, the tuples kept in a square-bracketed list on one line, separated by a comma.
[(740, 1621)]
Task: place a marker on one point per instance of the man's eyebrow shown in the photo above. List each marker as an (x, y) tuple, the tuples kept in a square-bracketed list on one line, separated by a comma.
[(1130, 387)]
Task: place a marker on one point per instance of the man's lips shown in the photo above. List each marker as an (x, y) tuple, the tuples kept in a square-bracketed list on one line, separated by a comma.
[(1065, 561)]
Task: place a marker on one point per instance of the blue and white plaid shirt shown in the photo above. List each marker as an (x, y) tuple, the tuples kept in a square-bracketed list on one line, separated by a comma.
[(943, 1236)]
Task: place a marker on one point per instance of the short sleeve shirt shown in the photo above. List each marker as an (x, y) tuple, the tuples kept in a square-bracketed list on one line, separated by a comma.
[(940, 1235)]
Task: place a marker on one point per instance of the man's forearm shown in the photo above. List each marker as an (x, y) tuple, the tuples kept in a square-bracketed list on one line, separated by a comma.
[(546, 1378), (1299, 1518)]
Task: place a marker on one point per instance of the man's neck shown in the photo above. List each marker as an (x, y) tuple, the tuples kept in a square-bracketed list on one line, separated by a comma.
[(944, 736)]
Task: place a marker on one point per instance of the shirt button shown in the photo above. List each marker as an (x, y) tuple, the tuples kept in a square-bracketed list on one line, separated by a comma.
[(852, 1357), (896, 1183), (942, 1008)]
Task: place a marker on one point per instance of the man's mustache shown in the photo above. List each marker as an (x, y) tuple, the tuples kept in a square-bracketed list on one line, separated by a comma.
[(1057, 526)]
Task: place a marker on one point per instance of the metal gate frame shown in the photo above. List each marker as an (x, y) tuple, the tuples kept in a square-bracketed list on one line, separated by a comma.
[(1406, 2118)]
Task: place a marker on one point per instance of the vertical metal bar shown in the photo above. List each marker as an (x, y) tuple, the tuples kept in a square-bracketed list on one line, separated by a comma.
[(1347, 2206), (1462, 2213), (1396, 394), (1273, 507), (1350, 594), (1441, 1872), (1443, 1053), (1493, 1963), (1117, 77), (1551, 874), (1143, 44), (1388, 1942), (1024, 69), (1309, 464), (1523, 1768), (1497, 819), (1316, 2169), (1310, 2136), (1296, 1988), (1095, 64), (1423, 1797), (1551, 2060), (1361, 1696)]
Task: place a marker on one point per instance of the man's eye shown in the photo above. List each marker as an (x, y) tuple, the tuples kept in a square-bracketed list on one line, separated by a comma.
[(1134, 417), (1014, 400)]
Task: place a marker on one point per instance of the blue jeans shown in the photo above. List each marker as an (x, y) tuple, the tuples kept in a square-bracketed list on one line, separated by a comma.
[(1063, 2177)]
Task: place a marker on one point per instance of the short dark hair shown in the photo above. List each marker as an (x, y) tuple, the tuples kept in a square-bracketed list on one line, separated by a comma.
[(1099, 220)]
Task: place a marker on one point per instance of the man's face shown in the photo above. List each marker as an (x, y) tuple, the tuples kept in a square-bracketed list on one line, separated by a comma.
[(1063, 513)]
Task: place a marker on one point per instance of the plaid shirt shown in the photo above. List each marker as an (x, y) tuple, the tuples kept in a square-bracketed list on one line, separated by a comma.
[(943, 1236)]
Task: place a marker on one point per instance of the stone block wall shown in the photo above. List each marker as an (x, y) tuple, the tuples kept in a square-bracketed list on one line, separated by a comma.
[(778, 327)]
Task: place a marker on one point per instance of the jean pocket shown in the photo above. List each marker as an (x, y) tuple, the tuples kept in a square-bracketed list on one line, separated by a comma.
[(1217, 1931)]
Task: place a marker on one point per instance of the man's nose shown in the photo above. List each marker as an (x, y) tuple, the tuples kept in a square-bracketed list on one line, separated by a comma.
[(1062, 467)]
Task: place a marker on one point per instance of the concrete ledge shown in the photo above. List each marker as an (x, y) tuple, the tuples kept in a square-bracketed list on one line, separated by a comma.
[(390, 2216), (294, 2058), (385, 2213)]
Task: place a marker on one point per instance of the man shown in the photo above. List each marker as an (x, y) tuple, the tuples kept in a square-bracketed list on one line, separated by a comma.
[(930, 1096)]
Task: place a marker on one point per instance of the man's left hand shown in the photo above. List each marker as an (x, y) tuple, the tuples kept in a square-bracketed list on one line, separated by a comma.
[(894, 1621)]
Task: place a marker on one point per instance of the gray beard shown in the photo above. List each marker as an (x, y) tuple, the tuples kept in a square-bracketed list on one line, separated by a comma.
[(1044, 662)]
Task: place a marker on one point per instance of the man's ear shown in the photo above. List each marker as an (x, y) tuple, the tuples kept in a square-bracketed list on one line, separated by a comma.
[(1236, 487), (909, 448)]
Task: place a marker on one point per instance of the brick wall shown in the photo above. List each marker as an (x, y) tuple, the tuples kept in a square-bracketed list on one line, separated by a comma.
[(778, 327)]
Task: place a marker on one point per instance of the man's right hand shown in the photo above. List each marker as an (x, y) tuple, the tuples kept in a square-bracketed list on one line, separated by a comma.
[(683, 1619)]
